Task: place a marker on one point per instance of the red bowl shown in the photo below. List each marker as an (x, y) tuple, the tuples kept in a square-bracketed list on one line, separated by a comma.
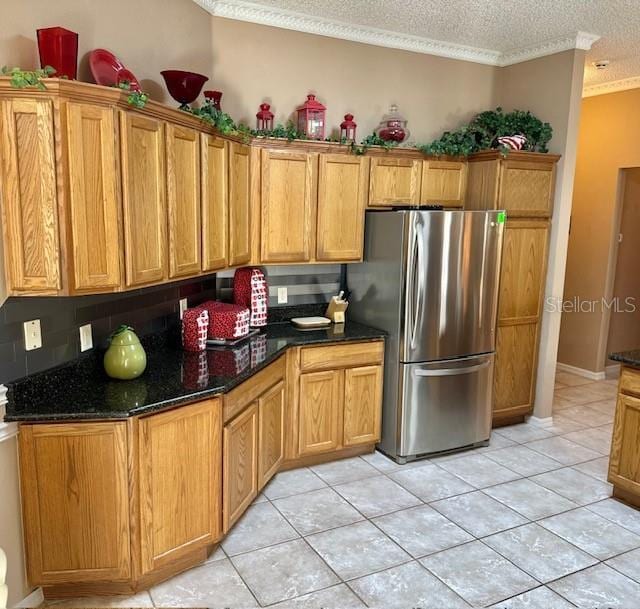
[(184, 87)]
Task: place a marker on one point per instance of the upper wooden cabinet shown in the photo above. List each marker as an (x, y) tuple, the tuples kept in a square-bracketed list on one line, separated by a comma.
[(287, 205), (183, 200), (394, 181), (144, 198), (94, 218), (342, 197), (215, 178), (444, 182), (239, 205), (29, 197)]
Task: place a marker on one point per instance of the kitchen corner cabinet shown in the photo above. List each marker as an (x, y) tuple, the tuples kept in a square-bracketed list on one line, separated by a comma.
[(624, 461), (239, 204), (394, 181), (522, 183)]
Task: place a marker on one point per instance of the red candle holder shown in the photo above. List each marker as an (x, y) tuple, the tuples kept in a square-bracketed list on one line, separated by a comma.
[(264, 118), (58, 48), (311, 118), (348, 128)]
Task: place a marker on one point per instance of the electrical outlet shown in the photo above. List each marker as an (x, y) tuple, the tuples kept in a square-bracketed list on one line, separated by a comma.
[(86, 337), (183, 306), (283, 297), (32, 335)]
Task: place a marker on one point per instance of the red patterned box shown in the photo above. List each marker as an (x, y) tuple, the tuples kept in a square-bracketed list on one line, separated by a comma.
[(227, 320)]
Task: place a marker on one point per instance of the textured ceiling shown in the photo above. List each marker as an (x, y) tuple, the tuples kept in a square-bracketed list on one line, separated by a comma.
[(499, 25)]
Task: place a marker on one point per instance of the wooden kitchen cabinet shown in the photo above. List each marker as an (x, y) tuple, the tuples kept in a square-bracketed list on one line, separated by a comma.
[(239, 205), (362, 401), (75, 495), (320, 412), (180, 482), (240, 465), (394, 181), (214, 165), (342, 197), (94, 205), (287, 205), (29, 197), (444, 183), (143, 198), (270, 433), (183, 200)]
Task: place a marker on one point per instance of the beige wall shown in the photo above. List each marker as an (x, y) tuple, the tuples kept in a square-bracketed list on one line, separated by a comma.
[(608, 142), (282, 66), (10, 521), (551, 88), (146, 35), (624, 325)]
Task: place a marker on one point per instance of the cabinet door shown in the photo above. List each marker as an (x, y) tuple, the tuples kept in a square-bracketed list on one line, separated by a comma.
[(287, 205), (180, 482), (214, 163), (94, 198), (624, 463), (394, 182), (320, 411), (183, 200), (362, 405), (29, 198), (239, 210), (526, 189), (271, 433), (143, 199), (444, 182), (342, 192), (240, 459), (523, 272), (75, 497), (483, 180)]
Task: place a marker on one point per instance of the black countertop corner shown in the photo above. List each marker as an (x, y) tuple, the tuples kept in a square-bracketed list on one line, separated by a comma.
[(81, 390), (628, 358)]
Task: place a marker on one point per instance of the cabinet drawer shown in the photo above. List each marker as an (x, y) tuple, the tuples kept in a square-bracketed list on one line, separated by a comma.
[(341, 356), (630, 381)]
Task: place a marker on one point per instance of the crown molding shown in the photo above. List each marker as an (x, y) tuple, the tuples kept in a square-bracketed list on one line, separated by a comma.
[(241, 10), (612, 86)]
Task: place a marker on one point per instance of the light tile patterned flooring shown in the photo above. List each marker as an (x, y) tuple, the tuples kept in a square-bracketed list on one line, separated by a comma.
[(526, 522)]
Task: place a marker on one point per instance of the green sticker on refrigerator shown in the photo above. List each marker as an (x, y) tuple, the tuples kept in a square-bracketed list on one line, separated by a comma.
[(502, 216)]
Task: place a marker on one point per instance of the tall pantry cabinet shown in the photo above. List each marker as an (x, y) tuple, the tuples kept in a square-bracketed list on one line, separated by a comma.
[(523, 185)]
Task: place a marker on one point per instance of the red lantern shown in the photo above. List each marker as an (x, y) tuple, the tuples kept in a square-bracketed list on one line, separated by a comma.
[(311, 118), (348, 128), (58, 48), (264, 118)]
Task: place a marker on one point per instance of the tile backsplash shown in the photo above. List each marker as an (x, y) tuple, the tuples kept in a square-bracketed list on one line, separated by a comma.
[(147, 310)]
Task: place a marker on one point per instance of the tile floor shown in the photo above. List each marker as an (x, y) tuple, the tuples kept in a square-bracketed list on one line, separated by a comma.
[(527, 522)]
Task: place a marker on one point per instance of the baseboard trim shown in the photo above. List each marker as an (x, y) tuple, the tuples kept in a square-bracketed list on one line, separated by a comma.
[(588, 374), (35, 599), (540, 421), (612, 371)]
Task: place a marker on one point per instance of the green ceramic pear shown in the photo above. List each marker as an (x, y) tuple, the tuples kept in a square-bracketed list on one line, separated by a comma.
[(125, 358)]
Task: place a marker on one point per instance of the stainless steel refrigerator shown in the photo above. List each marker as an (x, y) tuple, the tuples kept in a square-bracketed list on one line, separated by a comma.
[(430, 279)]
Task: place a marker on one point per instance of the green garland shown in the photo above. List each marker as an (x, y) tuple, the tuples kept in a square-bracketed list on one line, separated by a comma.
[(138, 99), (21, 79), (484, 130)]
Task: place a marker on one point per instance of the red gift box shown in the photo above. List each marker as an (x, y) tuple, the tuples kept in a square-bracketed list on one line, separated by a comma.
[(226, 320)]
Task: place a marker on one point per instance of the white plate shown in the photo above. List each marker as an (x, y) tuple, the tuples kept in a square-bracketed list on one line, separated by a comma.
[(311, 322)]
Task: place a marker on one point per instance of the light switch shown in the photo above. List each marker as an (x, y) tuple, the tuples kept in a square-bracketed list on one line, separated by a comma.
[(86, 337), (282, 296), (183, 306), (32, 335)]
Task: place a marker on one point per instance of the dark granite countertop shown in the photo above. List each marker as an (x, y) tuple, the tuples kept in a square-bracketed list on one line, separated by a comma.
[(82, 391), (628, 358)]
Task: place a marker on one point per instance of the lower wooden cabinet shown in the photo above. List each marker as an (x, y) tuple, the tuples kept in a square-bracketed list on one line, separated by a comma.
[(362, 405), (624, 464), (270, 433), (180, 481), (240, 458), (75, 499)]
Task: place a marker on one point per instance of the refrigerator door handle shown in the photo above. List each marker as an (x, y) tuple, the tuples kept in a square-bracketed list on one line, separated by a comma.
[(419, 291), (452, 371)]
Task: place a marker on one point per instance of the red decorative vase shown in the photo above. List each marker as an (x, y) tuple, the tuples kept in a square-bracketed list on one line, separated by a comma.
[(184, 87), (58, 48), (393, 126), (214, 98)]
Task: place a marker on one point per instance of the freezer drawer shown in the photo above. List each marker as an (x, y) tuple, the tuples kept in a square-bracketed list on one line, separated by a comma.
[(445, 405)]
